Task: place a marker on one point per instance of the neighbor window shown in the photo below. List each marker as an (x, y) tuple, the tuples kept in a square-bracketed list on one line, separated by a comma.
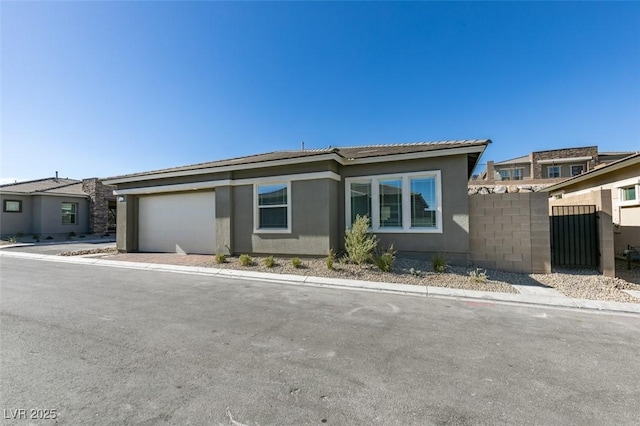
[(576, 170), (517, 174), (553, 171), (272, 207), (12, 206), (408, 202), (69, 213), (629, 193), (505, 175)]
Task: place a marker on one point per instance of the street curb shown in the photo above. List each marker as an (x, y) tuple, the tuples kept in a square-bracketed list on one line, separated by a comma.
[(558, 301), (53, 243)]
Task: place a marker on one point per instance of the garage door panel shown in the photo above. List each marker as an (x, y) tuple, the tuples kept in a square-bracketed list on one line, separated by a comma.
[(177, 223)]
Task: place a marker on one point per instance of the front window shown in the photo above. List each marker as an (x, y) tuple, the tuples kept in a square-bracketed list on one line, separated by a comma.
[(409, 202), (576, 170), (273, 207), (423, 202), (553, 171), (360, 197), (505, 175), (12, 206), (69, 213), (391, 203)]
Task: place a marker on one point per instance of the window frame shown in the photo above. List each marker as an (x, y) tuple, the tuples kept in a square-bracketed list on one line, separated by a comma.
[(256, 208), (76, 208), (6, 210), (633, 202), (582, 169), (553, 167), (406, 178)]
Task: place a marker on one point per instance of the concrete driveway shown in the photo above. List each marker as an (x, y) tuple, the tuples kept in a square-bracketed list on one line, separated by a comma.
[(104, 345)]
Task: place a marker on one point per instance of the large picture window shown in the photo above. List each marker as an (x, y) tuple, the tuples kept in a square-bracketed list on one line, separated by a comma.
[(408, 202), (273, 207), (69, 213)]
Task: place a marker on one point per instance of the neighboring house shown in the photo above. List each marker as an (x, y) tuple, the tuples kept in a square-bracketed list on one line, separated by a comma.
[(620, 183), (301, 202), (547, 167), (56, 206)]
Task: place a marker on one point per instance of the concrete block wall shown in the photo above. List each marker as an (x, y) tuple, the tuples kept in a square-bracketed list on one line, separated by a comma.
[(601, 198), (510, 232)]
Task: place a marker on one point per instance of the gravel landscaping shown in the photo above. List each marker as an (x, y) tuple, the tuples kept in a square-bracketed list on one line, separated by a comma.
[(579, 284)]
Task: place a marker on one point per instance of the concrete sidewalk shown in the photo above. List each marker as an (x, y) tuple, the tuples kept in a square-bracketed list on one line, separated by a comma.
[(528, 295)]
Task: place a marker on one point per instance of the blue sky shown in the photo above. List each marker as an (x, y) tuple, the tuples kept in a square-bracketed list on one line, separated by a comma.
[(107, 88)]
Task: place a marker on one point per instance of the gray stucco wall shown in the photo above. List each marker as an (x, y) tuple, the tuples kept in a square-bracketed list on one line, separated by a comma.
[(312, 202), (12, 223), (47, 218), (127, 224), (454, 239)]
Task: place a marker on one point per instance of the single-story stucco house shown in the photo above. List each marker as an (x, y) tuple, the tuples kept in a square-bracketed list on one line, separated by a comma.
[(300, 202), (56, 206)]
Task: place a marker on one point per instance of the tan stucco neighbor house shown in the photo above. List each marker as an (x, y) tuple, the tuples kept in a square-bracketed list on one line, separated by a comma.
[(615, 188), (55, 206), (300, 202)]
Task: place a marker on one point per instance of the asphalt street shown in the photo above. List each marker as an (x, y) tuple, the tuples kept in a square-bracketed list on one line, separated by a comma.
[(104, 345)]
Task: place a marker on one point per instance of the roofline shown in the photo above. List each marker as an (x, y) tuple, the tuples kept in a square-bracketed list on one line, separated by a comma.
[(53, 194), (444, 151), (616, 165)]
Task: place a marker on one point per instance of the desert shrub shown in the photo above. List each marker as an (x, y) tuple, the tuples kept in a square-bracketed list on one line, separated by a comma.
[(72, 234), (384, 261), (36, 237), (49, 238), (331, 258), (296, 262), (478, 275), (12, 240), (359, 242), (439, 263), (220, 258), (269, 262), (245, 260), (19, 234)]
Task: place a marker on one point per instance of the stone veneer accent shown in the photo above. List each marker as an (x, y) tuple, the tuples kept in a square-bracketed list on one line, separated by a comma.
[(537, 168), (510, 232), (99, 196)]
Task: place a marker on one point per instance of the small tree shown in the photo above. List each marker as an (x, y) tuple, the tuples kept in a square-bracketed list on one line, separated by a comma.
[(359, 243)]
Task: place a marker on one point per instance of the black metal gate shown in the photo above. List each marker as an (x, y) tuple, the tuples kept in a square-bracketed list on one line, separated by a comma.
[(574, 236)]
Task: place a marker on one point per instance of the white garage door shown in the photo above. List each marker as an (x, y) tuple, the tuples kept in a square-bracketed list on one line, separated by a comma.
[(177, 223)]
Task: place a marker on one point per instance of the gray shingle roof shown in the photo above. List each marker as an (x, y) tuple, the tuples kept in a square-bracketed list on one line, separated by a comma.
[(349, 152), (46, 185)]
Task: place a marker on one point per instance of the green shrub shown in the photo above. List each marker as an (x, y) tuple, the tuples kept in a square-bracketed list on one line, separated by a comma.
[(245, 260), (359, 242), (72, 234), (331, 257), (220, 258), (36, 237), (296, 262), (12, 240), (478, 275), (19, 234), (385, 260), (439, 263), (49, 238), (269, 262)]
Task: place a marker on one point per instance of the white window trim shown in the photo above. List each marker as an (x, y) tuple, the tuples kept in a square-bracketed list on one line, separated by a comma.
[(626, 203), (406, 228), (256, 208)]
